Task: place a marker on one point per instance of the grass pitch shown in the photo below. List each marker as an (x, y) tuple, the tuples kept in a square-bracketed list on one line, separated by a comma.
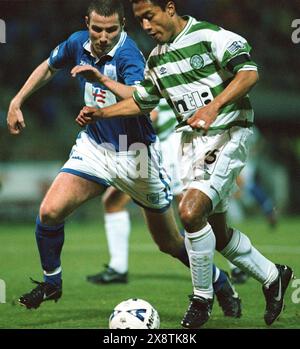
[(153, 276)]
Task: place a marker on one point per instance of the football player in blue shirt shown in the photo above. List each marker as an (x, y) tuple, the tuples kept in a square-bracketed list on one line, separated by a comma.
[(123, 152)]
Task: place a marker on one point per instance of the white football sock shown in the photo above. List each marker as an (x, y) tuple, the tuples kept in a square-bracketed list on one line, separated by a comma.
[(117, 228), (217, 274), (201, 247), (240, 251)]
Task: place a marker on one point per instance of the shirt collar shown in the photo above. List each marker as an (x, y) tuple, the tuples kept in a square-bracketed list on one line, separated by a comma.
[(187, 27), (111, 53)]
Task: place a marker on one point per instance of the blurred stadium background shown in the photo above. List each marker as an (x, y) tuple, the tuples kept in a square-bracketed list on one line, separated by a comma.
[(34, 28), (28, 163)]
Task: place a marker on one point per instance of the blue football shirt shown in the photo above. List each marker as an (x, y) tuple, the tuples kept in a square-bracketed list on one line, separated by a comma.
[(125, 64)]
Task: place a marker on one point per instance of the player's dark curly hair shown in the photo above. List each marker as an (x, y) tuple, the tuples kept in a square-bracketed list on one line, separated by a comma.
[(107, 8), (161, 3)]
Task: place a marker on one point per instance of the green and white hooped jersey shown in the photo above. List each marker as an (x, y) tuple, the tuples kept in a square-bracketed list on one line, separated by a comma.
[(166, 121), (193, 69)]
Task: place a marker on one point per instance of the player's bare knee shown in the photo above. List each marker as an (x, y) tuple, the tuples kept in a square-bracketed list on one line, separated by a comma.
[(49, 215), (191, 220)]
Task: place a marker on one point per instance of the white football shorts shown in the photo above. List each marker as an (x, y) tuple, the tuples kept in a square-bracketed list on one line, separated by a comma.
[(170, 148), (138, 172), (212, 163)]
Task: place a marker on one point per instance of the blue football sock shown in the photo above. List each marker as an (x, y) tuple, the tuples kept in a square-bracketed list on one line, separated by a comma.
[(220, 281), (50, 240), (54, 279)]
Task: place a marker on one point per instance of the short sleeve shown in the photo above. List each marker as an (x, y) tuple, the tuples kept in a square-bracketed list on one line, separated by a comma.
[(61, 56), (131, 66), (147, 95), (232, 51)]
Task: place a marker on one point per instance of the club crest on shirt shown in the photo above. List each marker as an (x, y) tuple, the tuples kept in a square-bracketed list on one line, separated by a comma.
[(153, 198), (110, 70), (197, 62)]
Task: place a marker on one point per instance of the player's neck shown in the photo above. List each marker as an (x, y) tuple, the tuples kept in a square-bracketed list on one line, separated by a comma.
[(179, 25), (97, 55)]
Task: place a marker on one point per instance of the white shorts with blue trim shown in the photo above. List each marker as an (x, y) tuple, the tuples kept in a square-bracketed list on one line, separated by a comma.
[(212, 163), (138, 172)]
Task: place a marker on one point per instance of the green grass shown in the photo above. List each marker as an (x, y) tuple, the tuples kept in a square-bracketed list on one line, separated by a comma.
[(155, 277)]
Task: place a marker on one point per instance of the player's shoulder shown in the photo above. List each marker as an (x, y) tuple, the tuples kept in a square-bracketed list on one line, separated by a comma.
[(197, 25), (75, 42), (128, 44), (128, 48), (210, 32), (79, 37)]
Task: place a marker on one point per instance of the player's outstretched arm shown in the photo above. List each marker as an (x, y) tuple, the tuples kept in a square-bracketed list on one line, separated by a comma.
[(39, 77), (125, 108), (92, 74), (239, 87)]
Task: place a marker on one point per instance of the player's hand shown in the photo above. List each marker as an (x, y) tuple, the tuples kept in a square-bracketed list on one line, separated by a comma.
[(90, 73), (204, 117), (15, 119), (87, 116)]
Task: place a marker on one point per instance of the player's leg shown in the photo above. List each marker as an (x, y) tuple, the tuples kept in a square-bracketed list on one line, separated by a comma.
[(199, 238), (165, 233), (236, 247), (66, 193), (215, 176), (238, 276), (217, 221), (225, 292), (83, 177), (200, 244), (117, 229)]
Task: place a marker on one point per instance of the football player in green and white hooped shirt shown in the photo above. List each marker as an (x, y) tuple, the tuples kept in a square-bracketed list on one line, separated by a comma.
[(117, 219), (205, 73)]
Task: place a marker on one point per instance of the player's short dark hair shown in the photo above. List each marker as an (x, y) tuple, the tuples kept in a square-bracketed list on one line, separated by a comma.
[(161, 3), (107, 8)]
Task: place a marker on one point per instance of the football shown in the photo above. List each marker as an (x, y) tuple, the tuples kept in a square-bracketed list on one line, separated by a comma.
[(134, 313)]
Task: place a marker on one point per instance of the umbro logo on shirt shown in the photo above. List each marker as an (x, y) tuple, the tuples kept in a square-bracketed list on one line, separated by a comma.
[(163, 70), (77, 158)]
